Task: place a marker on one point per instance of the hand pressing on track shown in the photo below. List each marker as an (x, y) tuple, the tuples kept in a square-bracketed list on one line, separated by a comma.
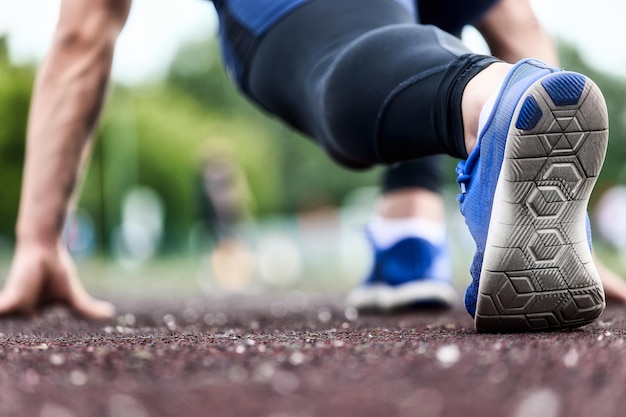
[(40, 277), (614, 285)]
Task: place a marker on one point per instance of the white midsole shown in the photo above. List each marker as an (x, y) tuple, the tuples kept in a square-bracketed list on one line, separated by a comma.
[(386, 297)]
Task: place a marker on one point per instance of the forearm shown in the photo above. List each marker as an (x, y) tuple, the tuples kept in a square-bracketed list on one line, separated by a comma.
[(513, 32), (67, 100)]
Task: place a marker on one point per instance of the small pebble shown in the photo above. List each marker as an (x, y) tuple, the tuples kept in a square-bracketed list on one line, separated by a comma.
[(448, 355), (542, 402), (296, 358), (324, 315), (57, 359), (78, 378), (571, 358)]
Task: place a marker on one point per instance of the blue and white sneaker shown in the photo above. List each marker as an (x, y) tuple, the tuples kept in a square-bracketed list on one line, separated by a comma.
[(413, 272), (524, 195)]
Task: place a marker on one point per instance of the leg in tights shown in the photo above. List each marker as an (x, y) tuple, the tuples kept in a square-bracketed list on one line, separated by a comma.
[(426, 173), (358, 83), (363, 80)]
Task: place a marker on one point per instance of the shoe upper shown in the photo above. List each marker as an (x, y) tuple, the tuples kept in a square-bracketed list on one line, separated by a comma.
[(478, 174), (408, 260)]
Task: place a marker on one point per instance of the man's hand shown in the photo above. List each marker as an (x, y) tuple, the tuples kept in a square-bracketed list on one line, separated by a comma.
[(67, 100), (614, 285), (43, 276)]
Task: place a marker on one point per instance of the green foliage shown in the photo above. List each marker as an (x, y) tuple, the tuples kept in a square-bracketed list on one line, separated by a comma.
[(15, 88), (159, 137)]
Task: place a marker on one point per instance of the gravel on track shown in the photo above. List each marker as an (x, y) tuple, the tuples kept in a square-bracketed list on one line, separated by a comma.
[(303, 355)]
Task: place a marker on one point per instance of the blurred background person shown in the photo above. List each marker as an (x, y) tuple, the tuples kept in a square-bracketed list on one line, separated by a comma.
[(225, 202)]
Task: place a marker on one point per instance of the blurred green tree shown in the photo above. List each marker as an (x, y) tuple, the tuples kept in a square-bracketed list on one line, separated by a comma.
[(159, 136), (15, 89)]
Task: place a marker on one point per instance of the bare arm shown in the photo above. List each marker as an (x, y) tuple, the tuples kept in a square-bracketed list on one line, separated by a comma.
[(513, 32), (67, 100)]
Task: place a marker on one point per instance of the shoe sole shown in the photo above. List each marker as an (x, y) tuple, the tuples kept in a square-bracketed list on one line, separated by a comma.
[(388, 298), (538, 273)]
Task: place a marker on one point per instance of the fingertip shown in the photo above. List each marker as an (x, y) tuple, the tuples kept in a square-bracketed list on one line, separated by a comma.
[(107, 310), (7, 305), (10, 306), (96, 309)]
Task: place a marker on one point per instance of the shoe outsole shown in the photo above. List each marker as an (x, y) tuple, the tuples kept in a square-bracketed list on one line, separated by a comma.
[(384, 297), (538, 273)]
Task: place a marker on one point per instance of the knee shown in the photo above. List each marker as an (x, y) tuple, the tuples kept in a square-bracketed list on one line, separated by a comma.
[(369, 75), (357, 86)]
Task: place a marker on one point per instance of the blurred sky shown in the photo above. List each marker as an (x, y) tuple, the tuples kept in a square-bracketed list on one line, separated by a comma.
[(156, 28)]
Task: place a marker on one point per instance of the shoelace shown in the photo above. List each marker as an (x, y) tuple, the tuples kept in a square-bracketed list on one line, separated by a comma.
[(463, 179), (463, 170)]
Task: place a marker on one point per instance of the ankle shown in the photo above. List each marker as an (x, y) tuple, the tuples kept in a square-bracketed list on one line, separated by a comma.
[(385, 232), (477, 93), (412, 203)]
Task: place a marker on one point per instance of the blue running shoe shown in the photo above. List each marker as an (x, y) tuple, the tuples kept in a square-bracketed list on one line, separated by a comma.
[(411, 273), (524, 195)]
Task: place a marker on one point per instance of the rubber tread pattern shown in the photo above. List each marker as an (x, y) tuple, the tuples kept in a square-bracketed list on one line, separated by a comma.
[(529, 115), (537, 272)]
